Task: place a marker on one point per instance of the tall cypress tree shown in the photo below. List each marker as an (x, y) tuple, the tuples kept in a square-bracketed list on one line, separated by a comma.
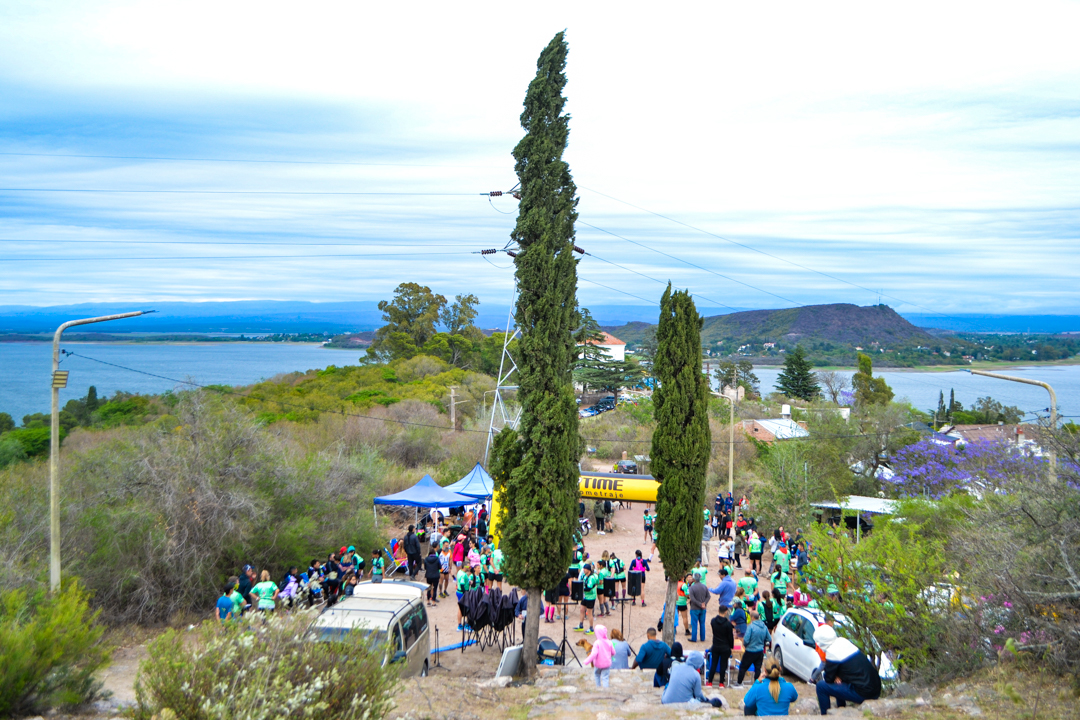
[(537, 471), (681, 441), (797, 378)]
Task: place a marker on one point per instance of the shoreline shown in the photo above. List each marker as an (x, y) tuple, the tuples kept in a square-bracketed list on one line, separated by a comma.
[(980, 365)]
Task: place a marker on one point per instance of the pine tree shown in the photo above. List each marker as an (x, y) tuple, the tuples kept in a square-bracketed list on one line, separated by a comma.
[(797, 379), (681, 441), (940, 414), (538, 465)]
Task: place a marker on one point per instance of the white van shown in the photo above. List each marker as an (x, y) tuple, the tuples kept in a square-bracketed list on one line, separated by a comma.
[(388, 612)]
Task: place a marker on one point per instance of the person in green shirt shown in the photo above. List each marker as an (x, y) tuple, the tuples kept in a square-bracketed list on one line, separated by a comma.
[(497, 558), (602, 573), (755, 546), (588, 603), (618, 571), (648, 521), (377, 566), (464, 584), (749, 585), (265, 593), (236, 597)]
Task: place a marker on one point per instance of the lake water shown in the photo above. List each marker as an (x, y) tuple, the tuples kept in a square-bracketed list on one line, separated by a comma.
[(922, 388), (25, 367)]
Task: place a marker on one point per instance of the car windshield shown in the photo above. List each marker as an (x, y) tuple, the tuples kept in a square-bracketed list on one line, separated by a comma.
[(332, 634)]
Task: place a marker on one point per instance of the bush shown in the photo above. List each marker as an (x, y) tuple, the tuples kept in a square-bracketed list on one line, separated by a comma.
[(11, 450), (50, 647), (34, 441), (262, 669)]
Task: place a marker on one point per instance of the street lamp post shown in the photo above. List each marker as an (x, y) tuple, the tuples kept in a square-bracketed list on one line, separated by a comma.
[(59, 380), (1053, 407)]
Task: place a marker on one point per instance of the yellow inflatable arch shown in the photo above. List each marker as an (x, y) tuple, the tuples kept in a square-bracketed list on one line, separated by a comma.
[(607, 486)]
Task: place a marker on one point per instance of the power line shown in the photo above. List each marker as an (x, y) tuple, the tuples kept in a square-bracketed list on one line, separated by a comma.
[(237, 160), (687, 262), (648, 277), (767, 254), (225, 257), (593, 282), (285, 403), (236, 192), (52, 241)]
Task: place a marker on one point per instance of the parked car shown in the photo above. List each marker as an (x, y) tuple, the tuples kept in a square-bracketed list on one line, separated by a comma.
[(626, 466), (586, 412), (794, 647), (389, 612)]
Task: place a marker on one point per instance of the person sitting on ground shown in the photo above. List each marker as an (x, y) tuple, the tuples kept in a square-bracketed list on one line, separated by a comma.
[(771, 695), (684, 684), (672, 659), (849, 675), (651, 653), (621, 659)]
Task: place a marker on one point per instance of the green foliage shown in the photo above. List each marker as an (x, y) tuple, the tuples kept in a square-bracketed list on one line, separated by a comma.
[(609, 375), (681, 442), (50, 647), (741, 374), (410, 322), (11, 451), (793, 485), (890, 589), (870, 390), (6, 423), (540, 491), (263, 669), (797, 378), (33, 441)]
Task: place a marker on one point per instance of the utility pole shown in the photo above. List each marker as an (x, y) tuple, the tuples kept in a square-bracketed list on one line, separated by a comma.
[(59, 380), (453, 408), (1053, 408), (731, 436)]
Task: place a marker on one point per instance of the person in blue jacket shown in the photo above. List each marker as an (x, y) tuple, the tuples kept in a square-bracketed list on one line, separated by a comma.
[(772, 695)]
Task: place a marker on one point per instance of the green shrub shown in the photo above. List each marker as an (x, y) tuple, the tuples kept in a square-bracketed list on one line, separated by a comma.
[(34, 441), (11, 450), (50, 647), (262, 669)]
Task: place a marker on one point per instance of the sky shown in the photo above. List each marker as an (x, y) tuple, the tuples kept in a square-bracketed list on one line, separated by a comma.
[(924, 155)]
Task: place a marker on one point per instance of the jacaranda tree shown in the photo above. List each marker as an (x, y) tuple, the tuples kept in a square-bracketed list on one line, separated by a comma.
[(681, 441), (537, 471)]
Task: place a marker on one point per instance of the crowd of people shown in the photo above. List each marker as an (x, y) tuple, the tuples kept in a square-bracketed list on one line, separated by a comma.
[(464, 557)]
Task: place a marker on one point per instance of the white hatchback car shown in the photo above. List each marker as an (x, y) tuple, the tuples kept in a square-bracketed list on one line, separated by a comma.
[(794, 647)]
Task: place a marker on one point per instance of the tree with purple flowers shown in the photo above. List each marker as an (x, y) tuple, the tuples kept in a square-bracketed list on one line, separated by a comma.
[(934, 469)]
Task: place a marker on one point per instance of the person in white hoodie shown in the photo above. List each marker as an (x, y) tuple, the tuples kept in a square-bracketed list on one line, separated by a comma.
[(849, 676), (600, 657)]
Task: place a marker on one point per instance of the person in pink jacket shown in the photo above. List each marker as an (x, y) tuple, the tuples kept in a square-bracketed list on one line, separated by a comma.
[(600, 657)]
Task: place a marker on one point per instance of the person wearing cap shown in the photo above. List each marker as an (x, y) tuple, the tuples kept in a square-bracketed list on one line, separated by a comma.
[(684, 685), (849, 676)]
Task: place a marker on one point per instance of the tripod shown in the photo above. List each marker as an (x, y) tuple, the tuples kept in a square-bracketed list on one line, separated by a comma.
[(564, 645)]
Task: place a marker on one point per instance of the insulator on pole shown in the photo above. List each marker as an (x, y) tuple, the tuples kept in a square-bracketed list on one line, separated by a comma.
[(492, 251), (495, 193), (578, 250), (511, 253)]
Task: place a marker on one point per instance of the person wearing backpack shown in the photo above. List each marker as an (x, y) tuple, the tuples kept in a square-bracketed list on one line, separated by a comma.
[(755, 546)]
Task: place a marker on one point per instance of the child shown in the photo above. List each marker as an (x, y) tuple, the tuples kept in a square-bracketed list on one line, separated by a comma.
[(444, 570), (225, 604), (600, 657), (377, 565)]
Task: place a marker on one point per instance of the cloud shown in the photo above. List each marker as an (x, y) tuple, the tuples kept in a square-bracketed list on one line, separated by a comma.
[(932, 162)]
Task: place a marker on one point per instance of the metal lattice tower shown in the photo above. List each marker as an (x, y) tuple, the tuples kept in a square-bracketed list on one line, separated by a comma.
[(501, 415)]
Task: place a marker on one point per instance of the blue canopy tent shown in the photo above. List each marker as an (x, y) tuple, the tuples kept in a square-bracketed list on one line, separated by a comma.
[(477, 484), (425, 494)]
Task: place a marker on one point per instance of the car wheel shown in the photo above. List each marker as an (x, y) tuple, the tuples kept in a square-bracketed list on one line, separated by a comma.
[(423, 670), (779, 655)]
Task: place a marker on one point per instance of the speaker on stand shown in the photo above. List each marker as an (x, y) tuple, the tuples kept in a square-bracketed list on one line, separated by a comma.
[(564, 645)]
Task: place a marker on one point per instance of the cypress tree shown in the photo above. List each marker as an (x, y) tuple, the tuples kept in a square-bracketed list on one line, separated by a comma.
[(537, 467), (797, 379), (681, 441), (870, 390)]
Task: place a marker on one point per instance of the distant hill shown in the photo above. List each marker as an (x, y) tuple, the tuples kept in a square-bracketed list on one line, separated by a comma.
[(829, 333)]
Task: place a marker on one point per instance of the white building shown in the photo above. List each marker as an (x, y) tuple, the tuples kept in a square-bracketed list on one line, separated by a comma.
[(613, 346)]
